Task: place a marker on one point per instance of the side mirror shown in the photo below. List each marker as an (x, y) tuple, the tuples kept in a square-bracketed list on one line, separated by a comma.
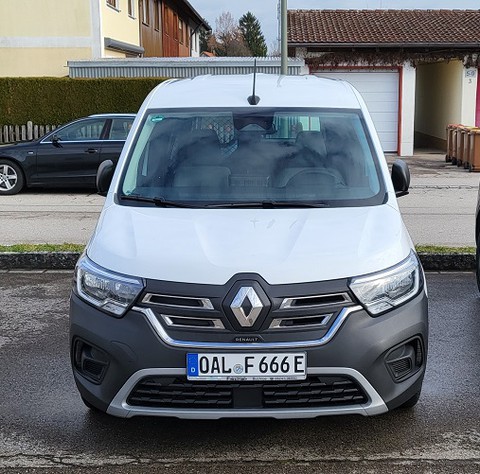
[(400, 178), (104, 176), (56, 141)]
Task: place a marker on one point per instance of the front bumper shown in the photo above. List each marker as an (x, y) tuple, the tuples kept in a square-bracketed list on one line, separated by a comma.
[(357, 350), (120, 407)]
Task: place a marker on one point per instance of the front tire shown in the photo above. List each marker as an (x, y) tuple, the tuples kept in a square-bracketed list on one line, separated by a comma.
[(11, 178)]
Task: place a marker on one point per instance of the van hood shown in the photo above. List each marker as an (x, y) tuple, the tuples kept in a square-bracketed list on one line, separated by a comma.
[(281, 245)]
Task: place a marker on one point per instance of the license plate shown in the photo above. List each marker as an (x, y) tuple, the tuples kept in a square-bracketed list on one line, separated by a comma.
[(291, 366)]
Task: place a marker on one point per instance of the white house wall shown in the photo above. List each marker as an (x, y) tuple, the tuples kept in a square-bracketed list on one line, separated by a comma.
[(194, 40), (97, 33), (407, 110), (120, 26), (469, 96)]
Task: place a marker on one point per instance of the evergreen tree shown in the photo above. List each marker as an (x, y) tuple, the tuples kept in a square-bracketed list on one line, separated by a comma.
[(252, 35), (204, 37)]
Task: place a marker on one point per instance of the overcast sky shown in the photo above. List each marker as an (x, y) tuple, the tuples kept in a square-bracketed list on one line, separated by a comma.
[(266, 10)]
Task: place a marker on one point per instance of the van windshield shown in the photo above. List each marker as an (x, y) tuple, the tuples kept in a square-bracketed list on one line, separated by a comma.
[(219, 157)]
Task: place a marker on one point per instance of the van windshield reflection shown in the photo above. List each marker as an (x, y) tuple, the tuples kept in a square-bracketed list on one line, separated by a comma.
[(266, 158)]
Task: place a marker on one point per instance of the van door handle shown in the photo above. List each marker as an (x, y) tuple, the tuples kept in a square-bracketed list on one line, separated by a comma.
[(91, 150)]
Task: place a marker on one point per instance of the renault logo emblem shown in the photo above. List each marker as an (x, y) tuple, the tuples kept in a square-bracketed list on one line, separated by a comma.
[(246, 306)]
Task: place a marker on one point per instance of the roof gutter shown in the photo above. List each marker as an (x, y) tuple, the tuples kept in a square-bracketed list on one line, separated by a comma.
[(128, 48), (386, 45)]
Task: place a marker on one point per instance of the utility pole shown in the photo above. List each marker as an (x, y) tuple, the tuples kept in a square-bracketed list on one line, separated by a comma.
[(283, 37)]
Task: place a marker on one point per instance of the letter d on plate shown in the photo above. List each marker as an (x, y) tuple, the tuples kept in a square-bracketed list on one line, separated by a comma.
[(192, 365)]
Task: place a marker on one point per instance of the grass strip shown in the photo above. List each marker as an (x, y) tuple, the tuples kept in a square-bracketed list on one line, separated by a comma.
[(440, 249), (29, 248), (65, 247)]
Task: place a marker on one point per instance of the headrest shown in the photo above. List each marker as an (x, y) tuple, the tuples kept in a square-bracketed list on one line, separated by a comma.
[(200, 147), (203, 136), (312, 140)]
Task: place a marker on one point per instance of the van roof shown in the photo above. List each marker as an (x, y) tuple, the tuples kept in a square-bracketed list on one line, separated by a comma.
[(273, 90)]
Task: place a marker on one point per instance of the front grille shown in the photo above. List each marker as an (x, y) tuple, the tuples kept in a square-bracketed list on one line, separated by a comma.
[(191, 322), (306, 321), (315, 301), (191, 314), (314, 392), (177, 301)]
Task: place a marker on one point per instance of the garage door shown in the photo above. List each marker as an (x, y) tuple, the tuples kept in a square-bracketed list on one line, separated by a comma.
[(379, 89)]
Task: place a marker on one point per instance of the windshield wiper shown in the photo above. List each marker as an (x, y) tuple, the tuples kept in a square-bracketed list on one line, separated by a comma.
[(269, 204), (157, 201), (265, 204)]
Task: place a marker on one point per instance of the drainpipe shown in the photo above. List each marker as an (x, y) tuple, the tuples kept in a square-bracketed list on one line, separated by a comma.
[(283, 37)]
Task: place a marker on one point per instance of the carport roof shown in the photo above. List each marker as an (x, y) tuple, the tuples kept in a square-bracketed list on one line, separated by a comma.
[(384, 28)]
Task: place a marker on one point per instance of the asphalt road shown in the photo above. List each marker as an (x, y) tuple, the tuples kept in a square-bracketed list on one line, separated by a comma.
[(440, 216), (49, 216), (433, 215), (45, 428)]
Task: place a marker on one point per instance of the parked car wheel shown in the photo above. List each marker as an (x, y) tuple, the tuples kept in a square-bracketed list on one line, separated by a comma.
[(11, 177)]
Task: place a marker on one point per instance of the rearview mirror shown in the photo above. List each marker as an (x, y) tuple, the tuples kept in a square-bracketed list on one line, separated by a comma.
[(104, 176), (400, 178)]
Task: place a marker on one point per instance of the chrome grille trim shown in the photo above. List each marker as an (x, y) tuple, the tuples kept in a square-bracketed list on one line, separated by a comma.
[(277, 322), (289, 303), (204, 303), (216, 323), (160, 331), (119, 406)]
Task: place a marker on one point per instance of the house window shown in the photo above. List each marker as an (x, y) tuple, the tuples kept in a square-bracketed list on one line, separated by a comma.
[(175, 30), (146, 12), (181, 31), (156, 18), (113, 4), (131, 8), (167, 18)]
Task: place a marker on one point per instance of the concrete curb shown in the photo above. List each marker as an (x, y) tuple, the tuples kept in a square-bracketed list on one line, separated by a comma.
[(66, 261), (38, 260), (456, 262)]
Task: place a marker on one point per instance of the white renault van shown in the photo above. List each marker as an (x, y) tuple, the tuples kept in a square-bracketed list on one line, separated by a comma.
[(250, 260)]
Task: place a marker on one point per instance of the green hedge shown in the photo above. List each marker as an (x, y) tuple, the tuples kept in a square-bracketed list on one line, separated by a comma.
[(51, 100)]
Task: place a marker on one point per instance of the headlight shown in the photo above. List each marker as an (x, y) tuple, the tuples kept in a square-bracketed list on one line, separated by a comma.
[(385, 290), (108, 291)]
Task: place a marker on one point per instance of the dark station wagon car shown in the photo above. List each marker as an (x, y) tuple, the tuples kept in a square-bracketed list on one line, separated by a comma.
[(68, 156)]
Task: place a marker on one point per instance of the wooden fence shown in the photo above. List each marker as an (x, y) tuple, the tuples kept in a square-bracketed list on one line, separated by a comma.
[(20, 133)]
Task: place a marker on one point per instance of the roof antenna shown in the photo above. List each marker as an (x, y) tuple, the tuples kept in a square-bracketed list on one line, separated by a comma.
[(254, 99)]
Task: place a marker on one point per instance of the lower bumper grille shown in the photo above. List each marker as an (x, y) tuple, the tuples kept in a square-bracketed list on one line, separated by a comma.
[(314, 392)]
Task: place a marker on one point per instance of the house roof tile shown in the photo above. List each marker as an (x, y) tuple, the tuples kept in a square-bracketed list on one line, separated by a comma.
[(384, 27)]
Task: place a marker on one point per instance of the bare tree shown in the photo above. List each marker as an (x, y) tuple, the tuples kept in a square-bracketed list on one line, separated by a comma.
[(227, 39), (274, 50)]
